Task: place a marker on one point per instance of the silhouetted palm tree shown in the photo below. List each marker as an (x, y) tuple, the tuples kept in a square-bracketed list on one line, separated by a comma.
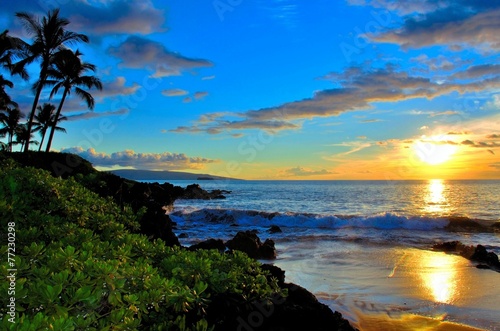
[(24, 137), (10, 48), (5, 100), (66, 72), (10, 120), (49, 37), (44, 119)]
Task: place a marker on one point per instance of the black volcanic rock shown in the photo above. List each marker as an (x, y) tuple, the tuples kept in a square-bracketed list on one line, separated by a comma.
[(249, 242), (274, 229), (275, 272), (209, 244), (488, 260), (194, 191), (267, 250), (298, 311)]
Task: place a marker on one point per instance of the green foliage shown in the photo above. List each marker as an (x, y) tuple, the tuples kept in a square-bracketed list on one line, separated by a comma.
[(87, 270)]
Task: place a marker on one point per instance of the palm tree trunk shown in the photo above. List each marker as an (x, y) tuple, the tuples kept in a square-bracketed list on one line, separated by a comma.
[(33, 108), (41, 142), (56, 119)]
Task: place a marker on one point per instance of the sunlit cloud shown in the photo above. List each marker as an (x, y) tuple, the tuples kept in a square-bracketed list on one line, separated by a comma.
[(457, 24), (303, 172), (90, 115), (117, 17), (96, 18), (200, 95), (439, 63), (359, 89), (143, 161), (139, 53), (174, 92), (115, 88)]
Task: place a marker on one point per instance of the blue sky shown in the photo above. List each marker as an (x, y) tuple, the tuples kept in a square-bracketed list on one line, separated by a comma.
[(287, 89)]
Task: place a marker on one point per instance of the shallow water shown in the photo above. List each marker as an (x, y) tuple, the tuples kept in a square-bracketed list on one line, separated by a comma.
[(365, 248), (395, 286)]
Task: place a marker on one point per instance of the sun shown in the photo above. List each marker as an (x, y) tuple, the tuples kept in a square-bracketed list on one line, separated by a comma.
[(434, 152)]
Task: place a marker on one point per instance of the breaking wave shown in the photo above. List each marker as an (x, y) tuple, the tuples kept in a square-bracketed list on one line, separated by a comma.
[(384, 221)]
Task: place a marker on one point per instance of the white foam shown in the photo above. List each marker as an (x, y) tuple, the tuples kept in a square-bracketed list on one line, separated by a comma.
[(385, 221)]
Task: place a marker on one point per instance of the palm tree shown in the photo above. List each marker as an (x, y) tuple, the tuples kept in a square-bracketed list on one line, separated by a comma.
[(66, 72), (5, 99), (49, 37), (44, 120), (10, 120), (24, 137), (10, 48)]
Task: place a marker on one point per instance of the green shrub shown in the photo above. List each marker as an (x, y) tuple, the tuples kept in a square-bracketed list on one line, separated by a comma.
[(88, 271)]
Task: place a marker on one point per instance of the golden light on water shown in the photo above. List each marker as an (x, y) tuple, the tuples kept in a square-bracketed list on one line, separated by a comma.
[(435, 198), (440, 276)]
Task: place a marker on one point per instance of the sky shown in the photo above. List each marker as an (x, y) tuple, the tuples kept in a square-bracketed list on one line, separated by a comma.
[(283, 89)]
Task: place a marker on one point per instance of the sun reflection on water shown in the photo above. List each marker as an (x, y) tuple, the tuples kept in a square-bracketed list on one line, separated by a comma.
[(440, 276), (435, 198)]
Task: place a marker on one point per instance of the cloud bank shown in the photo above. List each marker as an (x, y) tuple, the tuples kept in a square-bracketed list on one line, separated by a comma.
[(142, 161), (358, 88)]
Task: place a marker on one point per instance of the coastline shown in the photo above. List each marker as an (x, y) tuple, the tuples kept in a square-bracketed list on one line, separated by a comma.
[(296, 310)]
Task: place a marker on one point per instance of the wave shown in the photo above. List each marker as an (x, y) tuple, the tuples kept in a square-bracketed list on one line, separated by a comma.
[(384, 221)]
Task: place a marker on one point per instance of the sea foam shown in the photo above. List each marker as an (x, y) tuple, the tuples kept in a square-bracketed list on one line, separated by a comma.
[(385, 221)]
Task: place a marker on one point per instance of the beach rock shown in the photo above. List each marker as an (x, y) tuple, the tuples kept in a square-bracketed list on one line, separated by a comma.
[(275, 272), (482, 255), (274, 229), (488, 260), (249, 242), (302, 311), (194, 191), (209, 244), (267, 250), (298, 311)]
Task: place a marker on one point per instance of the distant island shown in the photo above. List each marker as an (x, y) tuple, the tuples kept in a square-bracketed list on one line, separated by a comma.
[(133, 174)]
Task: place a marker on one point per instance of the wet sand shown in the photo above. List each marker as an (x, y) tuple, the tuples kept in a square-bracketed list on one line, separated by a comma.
[(395, 288)]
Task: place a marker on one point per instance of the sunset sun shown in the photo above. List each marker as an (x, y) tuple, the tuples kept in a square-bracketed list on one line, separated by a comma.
[(434, 152)]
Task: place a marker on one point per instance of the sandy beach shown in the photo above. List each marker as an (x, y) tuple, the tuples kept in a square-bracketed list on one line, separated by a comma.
[(392, 288)]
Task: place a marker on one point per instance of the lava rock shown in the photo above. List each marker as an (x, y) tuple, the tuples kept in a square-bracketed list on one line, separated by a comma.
[(209, 244), (250, 243), (194, 191), (274, 229)]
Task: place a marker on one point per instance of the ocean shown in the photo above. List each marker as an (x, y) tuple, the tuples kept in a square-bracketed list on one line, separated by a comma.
[(365, 247)]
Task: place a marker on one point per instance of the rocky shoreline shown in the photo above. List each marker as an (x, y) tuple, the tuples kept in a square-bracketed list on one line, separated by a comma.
[(299, 310), (478, 253)]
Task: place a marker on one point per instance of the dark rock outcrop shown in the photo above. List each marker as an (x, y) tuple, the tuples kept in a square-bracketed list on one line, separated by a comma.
[(249, 242), (275, 272), (217, 244), (274, 229), (194, 191), (487, 260), (298, 311)]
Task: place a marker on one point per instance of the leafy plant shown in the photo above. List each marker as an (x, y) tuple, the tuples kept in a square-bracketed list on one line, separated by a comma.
[(87, 270)]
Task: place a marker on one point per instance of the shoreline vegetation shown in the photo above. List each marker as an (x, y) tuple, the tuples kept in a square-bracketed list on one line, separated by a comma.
[(97, 252)]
